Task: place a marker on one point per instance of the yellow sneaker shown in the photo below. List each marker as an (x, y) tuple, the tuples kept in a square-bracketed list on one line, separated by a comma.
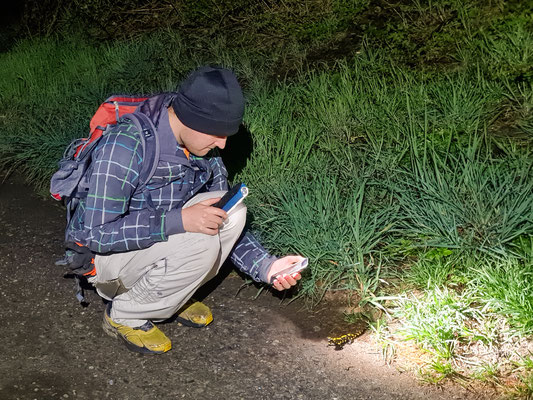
[(146, 339), (195, 314)]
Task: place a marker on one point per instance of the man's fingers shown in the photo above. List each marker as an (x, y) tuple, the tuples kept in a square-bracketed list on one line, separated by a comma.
[(210, 231), (219, 212), (210, 228), (203, 218), (214, 219), (213, 224), (284, 282), (290, 280)]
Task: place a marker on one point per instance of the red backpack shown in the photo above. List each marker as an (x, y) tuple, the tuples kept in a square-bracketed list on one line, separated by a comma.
[(109, 113)]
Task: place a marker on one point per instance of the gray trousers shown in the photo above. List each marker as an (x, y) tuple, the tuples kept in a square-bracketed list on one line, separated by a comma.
[(154, 283)]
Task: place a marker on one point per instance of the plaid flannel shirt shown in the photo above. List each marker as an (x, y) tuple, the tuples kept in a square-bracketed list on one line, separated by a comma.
[(115, 216)]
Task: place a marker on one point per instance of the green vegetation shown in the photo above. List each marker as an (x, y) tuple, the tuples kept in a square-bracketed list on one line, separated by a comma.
[(391, 145)]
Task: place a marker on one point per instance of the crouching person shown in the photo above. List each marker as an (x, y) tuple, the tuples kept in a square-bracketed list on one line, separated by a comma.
[(157, 242)]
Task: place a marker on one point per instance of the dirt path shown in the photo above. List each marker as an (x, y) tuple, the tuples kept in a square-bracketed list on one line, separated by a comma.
[(256, 348)]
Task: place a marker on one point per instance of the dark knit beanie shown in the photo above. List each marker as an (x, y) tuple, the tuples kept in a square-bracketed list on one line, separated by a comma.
[(210, 101)]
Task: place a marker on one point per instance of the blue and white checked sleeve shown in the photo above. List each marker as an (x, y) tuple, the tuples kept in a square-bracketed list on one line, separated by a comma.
[(251, 258)]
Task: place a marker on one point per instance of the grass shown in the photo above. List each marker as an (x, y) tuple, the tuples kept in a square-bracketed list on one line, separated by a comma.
[(509, 287), (474, 327), (468, 200), (404, 175)]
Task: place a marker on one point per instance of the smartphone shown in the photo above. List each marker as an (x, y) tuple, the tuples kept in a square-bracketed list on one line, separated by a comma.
[(232, 197), (293, 268)]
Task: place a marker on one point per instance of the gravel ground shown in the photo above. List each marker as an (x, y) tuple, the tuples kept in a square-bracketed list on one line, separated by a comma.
[(257, 348)]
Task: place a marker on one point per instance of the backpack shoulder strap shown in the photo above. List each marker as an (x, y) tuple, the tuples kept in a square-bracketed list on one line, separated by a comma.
[(151, 149)]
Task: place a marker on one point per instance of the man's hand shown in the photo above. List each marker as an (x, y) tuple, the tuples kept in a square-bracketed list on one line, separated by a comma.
[(286, 282), (202, 218)]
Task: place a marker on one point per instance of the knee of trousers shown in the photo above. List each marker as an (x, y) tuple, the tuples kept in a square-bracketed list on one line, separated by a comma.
[(211, 248), (203, 249)]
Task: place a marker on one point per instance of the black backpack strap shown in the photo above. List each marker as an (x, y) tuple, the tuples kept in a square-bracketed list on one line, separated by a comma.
[(151, 150)]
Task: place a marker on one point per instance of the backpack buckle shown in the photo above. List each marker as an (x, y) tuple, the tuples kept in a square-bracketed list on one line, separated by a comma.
[(147, 132)]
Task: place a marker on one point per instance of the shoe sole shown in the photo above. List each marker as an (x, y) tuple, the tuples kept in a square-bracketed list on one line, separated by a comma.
[(189, 323), (108, 329)]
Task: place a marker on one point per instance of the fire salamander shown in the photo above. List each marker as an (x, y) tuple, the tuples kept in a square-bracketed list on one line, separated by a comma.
[(340, 341)]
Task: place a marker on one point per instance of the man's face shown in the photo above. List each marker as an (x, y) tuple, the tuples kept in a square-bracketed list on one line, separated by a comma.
[(199, 143)]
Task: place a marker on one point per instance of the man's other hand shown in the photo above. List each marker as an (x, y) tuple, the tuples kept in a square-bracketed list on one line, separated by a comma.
[(287, 281), (202, 218)]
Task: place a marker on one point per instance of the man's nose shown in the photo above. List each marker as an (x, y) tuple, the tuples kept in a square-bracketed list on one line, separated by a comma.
[(221, 142)]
